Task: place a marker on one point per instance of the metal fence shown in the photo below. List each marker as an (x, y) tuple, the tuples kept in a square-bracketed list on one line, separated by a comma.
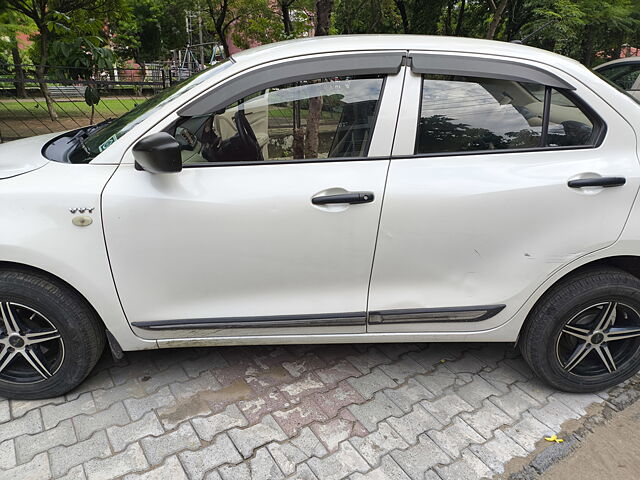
[(24, 111)]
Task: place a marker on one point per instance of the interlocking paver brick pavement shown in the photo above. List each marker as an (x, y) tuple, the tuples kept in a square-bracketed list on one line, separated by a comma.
[(301, 411)]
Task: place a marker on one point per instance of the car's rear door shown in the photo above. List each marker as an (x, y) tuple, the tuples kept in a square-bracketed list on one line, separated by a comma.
[(261, 247), (480, 208)]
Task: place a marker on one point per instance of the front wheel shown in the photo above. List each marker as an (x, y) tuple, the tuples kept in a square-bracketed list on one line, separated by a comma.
[(50, 339), (584, 334)]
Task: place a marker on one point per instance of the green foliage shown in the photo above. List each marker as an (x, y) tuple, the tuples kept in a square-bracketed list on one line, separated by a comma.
[(81, 55)]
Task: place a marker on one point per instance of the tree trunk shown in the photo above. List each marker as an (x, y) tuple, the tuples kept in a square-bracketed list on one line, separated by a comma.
[(323, 17), (587, 46), (497, 18), (447, 21), (286, 19), (41, 69), (460, 19), (21, 91), (313, 128), (402, 9)]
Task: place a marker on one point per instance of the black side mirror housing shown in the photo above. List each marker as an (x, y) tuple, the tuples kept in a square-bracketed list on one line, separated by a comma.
[(158, 153)]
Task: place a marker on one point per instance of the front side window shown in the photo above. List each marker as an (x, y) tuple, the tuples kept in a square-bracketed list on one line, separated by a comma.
[(466, 114), (315, 119)]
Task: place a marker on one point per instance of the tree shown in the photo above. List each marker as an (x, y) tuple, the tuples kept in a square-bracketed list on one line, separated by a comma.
[(11, 24), (497, 9), (52, 17), (226, 13)]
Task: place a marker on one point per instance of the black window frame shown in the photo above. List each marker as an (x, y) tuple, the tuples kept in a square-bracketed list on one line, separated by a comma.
[(597, 136)]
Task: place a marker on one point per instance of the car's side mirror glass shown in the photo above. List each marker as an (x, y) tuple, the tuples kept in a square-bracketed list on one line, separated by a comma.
[(158, 153)]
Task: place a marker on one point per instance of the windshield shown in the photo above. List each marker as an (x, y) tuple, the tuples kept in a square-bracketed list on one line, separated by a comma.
[(99, 139)]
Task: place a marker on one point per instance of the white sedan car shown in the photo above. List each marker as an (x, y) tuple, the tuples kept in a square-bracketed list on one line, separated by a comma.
[(334, 190)]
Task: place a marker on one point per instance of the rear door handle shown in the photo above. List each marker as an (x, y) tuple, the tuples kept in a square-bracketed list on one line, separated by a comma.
[(597, 182), (350, 197)]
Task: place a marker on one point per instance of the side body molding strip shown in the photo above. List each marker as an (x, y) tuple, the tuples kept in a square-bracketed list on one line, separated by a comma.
[(435, 63), (420, 315), (372, 63)]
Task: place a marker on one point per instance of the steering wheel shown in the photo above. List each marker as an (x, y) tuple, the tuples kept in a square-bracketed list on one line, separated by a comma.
[(246, 134)]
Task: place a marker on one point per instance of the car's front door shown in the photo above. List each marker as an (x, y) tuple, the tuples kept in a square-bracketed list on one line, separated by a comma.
[(484, 201), (237, 245)]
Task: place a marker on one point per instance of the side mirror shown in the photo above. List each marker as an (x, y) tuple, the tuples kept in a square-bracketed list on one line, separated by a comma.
[(158, 153)]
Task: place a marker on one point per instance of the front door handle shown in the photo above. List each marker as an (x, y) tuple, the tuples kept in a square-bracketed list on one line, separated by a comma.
[(349, 197), (597, 182)]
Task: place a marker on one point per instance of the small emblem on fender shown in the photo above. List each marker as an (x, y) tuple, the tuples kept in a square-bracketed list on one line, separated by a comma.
[(82, 210), (82, 221)]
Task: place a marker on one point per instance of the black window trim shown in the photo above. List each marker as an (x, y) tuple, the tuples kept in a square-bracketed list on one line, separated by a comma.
[(598, 135), (312, 160)]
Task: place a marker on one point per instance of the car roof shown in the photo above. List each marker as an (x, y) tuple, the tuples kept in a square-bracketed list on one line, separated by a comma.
[(617, 61), (350, 43)]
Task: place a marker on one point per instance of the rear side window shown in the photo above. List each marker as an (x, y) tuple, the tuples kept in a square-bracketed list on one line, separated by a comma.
[(466, 114)]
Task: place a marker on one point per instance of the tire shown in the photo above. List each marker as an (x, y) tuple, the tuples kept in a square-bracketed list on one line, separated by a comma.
[(54, 338), (560, 339)]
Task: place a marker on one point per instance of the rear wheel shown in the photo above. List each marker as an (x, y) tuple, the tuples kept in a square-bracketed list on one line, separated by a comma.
[(584, 334), (50, 339)]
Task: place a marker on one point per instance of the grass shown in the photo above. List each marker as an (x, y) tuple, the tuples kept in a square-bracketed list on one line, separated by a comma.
[(32, 108)]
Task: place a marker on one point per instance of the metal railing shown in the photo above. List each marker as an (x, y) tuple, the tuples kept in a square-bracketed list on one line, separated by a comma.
[(23, 107)]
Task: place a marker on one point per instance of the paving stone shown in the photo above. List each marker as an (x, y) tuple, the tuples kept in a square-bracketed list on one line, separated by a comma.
[(131, 460), (455, 437), (106, 398), (333, 432), (53, 414), (396, 350), (503, 377), (85, 425), (388, 470), (303, 414), (7, 454), (344, 461), (26, 425), (553, 414), (95, 381), (120, 437), (171, 469), (137, 407), (208, 427), (64, 458), (5, 411), (260, 467), (521, 366), (434, 355), (332, 401), (369, 384), (297, 450), (338, 372), (578, 402), (438, 380), (305, 385), (414, 424), (36, 469), (490, 354), (140, 365), (402, 369), (477, 391), (379, 443), (466, 364), (212, 360), (185, 389), (370, 413), (469, 467), (498, 451), (446, 407), (157, 380), (28, 446), (303, 472), (420, 458), (299, 366), (536, 389), (157, 448), (408, 394), (248, 439), (264, 381), (366, 361), (20, 407), (515, 403), (221, 451), (486, 419), (75, 473), (528, 431), (176, 356), (258, 406)]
